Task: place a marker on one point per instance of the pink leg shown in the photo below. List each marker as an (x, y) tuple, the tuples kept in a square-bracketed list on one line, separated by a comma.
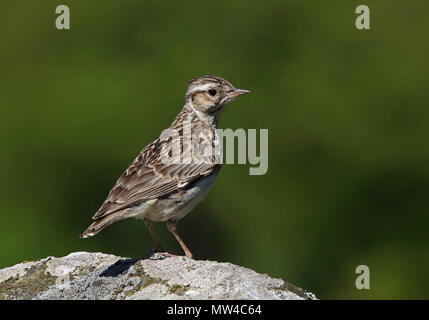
[(171, 225), (149, 226)]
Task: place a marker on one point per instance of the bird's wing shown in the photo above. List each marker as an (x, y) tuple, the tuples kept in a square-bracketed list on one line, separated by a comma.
[(148, 177)]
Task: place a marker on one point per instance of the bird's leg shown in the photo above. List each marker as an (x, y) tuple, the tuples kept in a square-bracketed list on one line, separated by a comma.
[(171, 225), (149, 226)]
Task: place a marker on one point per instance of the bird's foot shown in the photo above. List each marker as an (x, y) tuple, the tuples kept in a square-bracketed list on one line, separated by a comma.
[(161, 251), (169, 255), (165, 253), (158, 249)]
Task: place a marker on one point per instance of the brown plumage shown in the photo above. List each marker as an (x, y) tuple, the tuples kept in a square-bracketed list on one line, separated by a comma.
[(174, 172)]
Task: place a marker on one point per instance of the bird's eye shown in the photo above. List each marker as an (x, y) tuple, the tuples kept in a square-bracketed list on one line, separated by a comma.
[(212, 92)]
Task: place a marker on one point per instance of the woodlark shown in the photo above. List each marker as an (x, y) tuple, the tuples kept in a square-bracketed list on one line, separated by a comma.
[(173, 174)]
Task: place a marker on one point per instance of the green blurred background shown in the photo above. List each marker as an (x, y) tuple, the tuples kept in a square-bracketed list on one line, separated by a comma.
[(347, 113)]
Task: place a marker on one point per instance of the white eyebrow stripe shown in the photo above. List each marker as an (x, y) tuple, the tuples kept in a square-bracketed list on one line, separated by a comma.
[(203, 87)]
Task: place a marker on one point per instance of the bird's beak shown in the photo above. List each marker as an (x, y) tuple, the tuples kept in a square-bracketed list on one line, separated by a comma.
[(236, 93)]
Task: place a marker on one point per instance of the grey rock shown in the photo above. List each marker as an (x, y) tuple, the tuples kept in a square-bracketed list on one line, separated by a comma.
[(83, 275)]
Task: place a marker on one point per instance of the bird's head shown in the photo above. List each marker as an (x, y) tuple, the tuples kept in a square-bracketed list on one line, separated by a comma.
[(209, 95)]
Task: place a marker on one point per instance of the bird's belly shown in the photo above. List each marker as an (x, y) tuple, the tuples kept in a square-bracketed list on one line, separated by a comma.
[(178, 204)]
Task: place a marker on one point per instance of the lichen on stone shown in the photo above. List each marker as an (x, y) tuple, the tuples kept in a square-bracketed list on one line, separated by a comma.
[(28, 285)]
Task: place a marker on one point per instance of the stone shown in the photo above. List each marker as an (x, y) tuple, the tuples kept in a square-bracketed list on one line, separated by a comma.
[(90, 276)]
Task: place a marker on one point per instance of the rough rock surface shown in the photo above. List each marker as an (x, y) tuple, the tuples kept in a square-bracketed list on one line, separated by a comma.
[(83, 275)]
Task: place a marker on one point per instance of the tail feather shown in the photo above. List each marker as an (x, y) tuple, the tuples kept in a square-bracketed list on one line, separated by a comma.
[(102, 223)]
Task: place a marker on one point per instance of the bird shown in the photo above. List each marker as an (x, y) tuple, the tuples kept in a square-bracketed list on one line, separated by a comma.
[(172, 174)]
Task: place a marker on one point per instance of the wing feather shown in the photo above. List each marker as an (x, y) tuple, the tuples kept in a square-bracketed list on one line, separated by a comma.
[(148, 177)]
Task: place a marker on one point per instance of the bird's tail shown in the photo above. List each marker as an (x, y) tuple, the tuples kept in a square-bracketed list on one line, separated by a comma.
[(102, 223)]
